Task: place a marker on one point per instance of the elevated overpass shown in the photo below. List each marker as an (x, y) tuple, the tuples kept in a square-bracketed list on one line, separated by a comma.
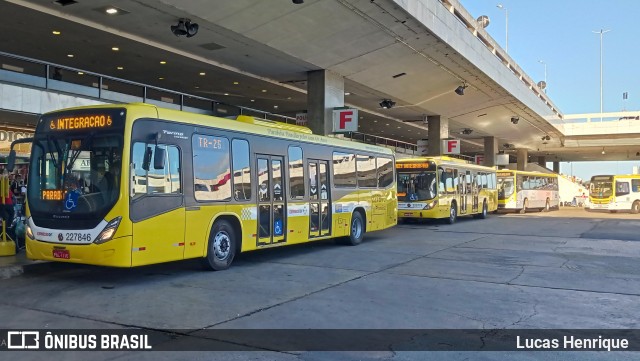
[(285, 58)]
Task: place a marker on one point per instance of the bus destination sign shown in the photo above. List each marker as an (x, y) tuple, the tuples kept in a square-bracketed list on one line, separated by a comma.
[(416, 166), (81, 122)]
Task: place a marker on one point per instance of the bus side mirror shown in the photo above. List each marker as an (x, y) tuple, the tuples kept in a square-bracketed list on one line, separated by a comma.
[(146, 160), (159, 158), (11, 162)]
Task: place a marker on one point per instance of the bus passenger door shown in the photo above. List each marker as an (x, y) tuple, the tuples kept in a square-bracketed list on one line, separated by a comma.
[(463, 193), (475, 191), (319, 198), (271, 205)]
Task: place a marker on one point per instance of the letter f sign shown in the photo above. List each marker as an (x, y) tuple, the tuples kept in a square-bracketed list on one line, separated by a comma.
[(345, 116)]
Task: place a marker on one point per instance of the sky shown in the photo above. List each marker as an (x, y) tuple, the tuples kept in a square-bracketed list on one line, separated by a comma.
[(561, 34)]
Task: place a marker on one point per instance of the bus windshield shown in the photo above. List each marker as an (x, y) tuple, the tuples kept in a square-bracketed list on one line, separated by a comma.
[(417, 186), (74, 177), (601, 187), (505, 187)]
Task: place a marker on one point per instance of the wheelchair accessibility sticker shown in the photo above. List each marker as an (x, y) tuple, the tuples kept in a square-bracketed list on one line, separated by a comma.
[(277, 228), (71, 201), (413, 197)]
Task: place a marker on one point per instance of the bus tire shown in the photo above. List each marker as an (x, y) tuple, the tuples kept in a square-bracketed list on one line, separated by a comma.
[(222, 246), (356, 231), (547, 206), (453, 213), (485, 211), (635, 207), (525, 204)]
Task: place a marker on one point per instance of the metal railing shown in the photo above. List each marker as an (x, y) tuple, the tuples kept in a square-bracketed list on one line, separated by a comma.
[(39, 74), (397, 145)]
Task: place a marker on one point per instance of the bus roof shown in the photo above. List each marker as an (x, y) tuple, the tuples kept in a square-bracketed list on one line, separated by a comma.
[(635, 176), (445, 160), (538, 174), (242, 123)]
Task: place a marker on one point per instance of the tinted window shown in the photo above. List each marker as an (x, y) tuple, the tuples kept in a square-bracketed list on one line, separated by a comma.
[(211, 168), (296, 173), (344, 170), (241, 170), (385, 172), (366, 166), (156, 181)]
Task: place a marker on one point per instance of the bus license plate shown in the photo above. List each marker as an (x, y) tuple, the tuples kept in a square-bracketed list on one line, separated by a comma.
[(61, 253)]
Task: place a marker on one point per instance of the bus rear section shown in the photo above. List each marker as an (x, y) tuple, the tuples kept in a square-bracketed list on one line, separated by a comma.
[(614, 193)]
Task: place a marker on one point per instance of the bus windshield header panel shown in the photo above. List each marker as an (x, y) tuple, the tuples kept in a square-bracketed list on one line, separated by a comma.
[(416, 166), (86, 120)]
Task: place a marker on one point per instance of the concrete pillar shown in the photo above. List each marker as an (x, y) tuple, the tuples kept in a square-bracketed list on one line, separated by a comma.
[(490, 151), (556, 167), (438, 130), (325, 90), (523, 154), (542, 161)]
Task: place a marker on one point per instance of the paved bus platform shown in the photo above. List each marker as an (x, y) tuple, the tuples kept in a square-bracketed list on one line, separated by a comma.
[(566, 269)]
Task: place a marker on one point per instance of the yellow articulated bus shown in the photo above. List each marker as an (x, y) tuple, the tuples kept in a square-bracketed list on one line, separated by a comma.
[(614, 193), (521, 191), (444, 187), (130, 185)]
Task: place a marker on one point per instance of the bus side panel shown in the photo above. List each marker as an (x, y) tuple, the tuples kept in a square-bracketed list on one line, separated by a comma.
[(297, 223), (159, 238), (198, 226), (344, 202)]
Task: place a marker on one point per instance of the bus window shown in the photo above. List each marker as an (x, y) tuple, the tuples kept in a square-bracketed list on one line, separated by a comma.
[(211, 168), (366, 167), (635, 185), (241, 170), (154, 181), (622, 188), (296, 173), (344, 170), (385, 172)]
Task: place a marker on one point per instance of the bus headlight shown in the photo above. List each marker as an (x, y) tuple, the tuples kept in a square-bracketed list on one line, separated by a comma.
[(108, 231), (29, 232), (431, 205)]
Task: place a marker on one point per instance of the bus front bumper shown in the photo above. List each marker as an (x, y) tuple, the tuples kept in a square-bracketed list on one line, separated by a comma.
[(114, 253)]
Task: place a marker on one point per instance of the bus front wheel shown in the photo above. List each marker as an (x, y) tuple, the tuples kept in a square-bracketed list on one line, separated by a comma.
[(453, 213), (525, 204), (635, 207), (222, 246)]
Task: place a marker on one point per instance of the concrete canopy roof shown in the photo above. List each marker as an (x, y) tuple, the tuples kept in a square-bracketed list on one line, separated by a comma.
[(267, 47)]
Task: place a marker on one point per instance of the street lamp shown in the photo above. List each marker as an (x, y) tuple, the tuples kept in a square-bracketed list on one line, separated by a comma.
[(506, 22), (601, 32), (545, 74)]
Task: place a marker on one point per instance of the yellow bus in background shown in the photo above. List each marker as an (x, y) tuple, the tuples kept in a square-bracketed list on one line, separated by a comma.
[(614, 193), (444, 187), (521, 191), (159, 185)]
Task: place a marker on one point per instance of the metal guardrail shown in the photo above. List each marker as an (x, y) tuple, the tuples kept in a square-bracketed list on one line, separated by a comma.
[(50, 76), (397, 145)]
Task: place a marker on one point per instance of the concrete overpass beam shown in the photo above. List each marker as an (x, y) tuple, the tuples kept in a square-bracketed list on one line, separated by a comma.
[(490, 151), (522, 156), (542, 161), (325, 90), (438, 129)]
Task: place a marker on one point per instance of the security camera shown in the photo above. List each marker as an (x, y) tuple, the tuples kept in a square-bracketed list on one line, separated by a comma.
[(515, 120), (185, 28)]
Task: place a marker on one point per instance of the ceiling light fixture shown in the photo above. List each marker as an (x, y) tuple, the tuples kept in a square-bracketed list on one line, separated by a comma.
[(111, 11), (515, 120), (185, 28), (466, 131), (115, 48), (603, 152), (56, 32), (163, 62), (460, 90), (387, 104)]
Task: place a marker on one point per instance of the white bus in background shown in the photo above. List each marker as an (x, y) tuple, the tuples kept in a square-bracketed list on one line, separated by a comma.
[(522, 191), (614, 193)]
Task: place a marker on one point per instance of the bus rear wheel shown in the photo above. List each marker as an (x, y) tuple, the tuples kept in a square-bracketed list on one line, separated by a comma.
[(485, 211), (356, 231), (222, 246), (635, 207)]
